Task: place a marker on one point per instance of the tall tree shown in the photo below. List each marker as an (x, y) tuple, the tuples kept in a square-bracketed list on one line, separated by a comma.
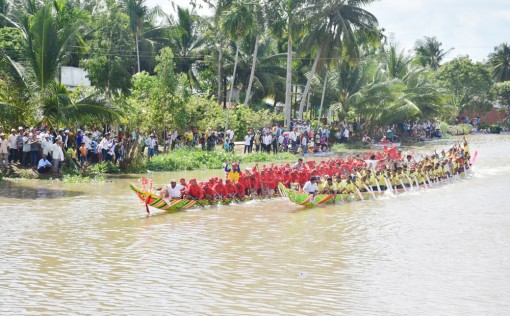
[(136, 10), (110, 68), (269, 75), (334, 24), (186, 42), (219, 7), (148, 35), (468, 83), (285, 23), (49, 30), (429, 52), (500, 62), (257, 29), (237, 22)]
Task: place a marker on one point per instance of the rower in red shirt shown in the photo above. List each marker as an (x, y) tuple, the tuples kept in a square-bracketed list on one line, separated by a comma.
[(240, 189), (230, 188), (220, 188), (209, 192), (194, 190)]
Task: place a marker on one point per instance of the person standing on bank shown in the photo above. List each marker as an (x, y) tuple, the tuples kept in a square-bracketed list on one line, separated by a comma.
[(13, 146), (57, 156), (247, 142), (4, 152)]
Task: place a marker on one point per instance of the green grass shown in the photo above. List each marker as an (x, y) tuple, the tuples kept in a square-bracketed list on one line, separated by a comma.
[(347, 146), (460, 129), (103, 168), (82, 179), (196, 159)]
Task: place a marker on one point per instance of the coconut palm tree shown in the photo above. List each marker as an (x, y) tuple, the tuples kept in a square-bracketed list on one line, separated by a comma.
[(49, 29), (219, 7), (237, 22), (500, 62), (333, 27), (396, 64), (269, 75), (186, 42), (429, 52), (284, 22), (4, 8), (137, 10), (148, 35), (258, 30)]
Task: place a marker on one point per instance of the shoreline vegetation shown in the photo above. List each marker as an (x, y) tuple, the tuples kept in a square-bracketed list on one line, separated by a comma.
[(183, 159), (248, 66)]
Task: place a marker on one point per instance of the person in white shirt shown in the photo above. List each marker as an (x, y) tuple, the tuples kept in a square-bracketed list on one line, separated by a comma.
[(26, 149), (46, 145), (248, 142), (231, 134), (106, 144), (13, 146), (293, 136), (87, 139), (174, 190), (57, 156), (266, 141), (281, 138), (4, 151), (346, 135), (310, 186), (44, 165), (151, 145)]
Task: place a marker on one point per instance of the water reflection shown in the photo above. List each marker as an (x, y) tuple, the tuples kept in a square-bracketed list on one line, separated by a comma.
[(34, 190)]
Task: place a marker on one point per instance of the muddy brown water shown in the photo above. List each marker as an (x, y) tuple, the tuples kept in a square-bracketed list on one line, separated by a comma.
[(90, 249)]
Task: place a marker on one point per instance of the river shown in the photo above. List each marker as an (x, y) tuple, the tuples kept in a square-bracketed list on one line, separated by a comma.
[(90, 249)]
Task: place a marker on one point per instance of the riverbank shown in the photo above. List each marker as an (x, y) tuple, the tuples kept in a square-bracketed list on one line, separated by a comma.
[(182, 159), (176, 160)]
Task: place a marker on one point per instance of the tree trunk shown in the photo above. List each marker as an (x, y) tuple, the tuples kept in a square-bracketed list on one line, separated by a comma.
[(323, 93), (220, 66), (288, 83), (252, 74), (232, 84), (137, 50), (309, 82)]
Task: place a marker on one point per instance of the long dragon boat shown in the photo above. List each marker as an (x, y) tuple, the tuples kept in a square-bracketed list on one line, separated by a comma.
[(173, 205), (308, 200)]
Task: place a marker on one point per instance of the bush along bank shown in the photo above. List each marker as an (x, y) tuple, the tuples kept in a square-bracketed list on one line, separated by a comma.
[(187, 159)]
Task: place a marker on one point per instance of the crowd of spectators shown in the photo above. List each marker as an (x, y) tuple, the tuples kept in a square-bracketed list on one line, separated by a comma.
[(27, 146), (46, 149)]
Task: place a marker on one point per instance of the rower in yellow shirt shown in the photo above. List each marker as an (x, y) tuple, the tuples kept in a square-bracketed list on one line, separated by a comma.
[(328, 187), (350, 187)]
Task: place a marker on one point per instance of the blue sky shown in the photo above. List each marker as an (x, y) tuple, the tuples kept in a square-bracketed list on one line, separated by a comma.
[(471, 27)]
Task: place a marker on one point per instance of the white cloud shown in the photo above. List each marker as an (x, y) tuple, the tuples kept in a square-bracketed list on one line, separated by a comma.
[(474, 28)]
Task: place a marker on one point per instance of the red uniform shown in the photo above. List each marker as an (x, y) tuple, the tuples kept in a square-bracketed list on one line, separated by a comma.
[(230, 188), (195, 191), (209, 193), (240, 189), (220, 189)]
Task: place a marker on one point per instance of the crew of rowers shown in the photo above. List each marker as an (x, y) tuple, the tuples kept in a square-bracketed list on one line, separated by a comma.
[(389, 169)]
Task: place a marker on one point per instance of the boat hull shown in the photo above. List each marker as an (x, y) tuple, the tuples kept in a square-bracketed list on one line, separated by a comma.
[(308, 200), (174, 205)]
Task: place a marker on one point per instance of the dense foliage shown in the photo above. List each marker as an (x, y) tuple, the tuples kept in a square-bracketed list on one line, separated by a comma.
[(172, 70)]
